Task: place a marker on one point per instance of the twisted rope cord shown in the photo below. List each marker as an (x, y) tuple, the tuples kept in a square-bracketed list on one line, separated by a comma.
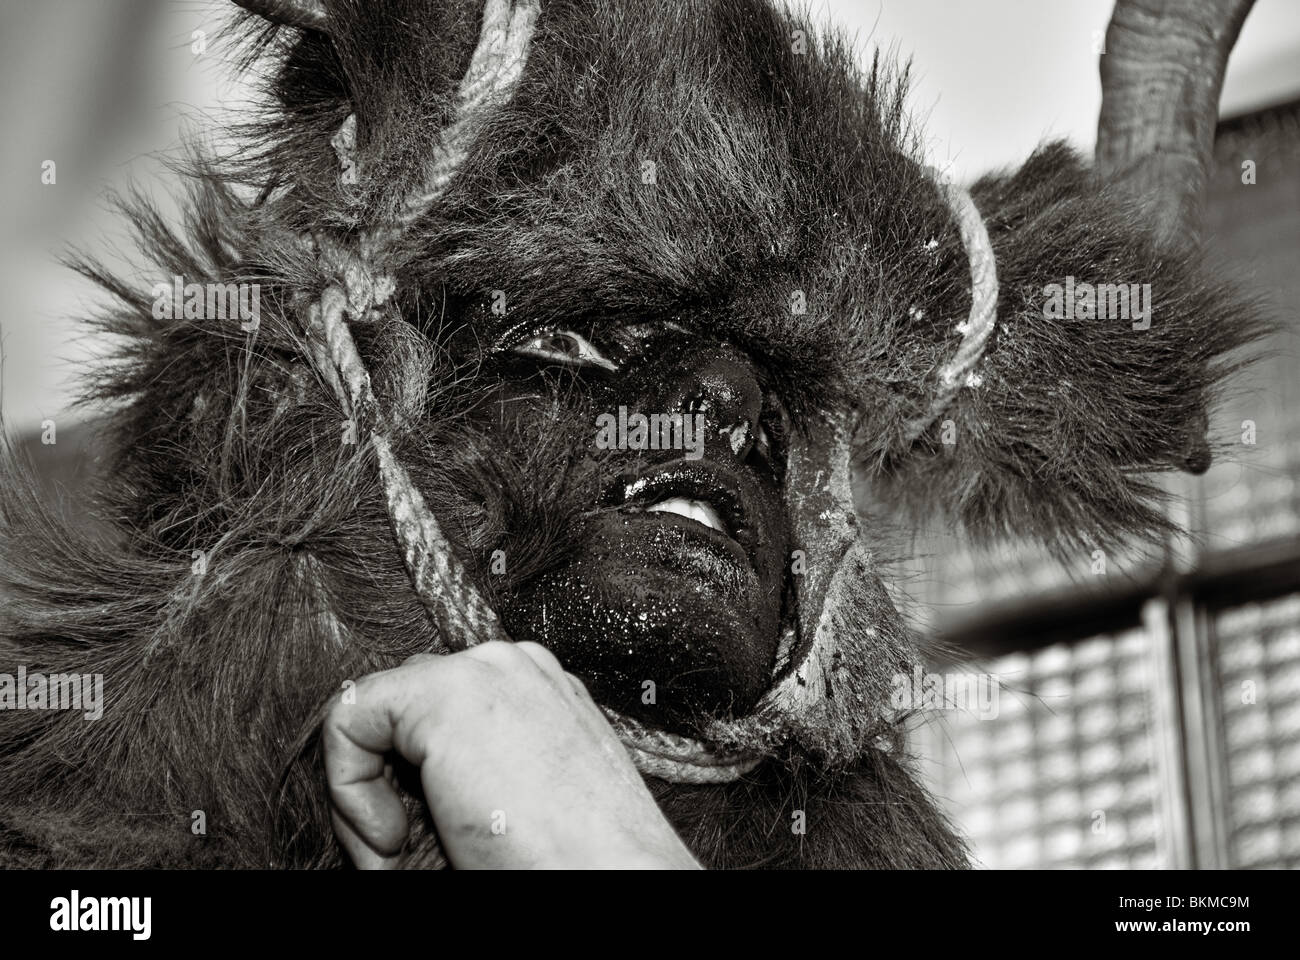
[(494, 69), (675, 758), (440, 581), (975, 330)]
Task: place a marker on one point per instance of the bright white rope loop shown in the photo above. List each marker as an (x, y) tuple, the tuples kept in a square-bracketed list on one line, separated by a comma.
[(975, 330)]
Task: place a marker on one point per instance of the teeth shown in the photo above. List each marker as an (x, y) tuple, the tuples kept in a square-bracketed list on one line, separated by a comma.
[(696, 510)]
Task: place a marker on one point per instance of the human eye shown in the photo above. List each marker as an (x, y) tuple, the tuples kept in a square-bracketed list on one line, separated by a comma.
[(559, 345)]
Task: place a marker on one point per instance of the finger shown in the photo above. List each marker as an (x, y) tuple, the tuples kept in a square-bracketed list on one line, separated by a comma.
[(356, 737), (359, 851)]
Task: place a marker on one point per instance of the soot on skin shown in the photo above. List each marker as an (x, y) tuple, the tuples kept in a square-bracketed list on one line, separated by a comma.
[(662, 618)]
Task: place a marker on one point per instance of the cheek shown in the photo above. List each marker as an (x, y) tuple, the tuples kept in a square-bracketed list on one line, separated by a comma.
[(523, 417), (521, 399)]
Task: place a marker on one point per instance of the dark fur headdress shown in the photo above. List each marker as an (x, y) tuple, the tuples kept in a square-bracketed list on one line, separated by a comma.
[(420, 156), (1038, 454), (356, 288)]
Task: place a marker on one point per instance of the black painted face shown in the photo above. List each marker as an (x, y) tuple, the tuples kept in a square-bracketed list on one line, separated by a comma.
[(673, 604)]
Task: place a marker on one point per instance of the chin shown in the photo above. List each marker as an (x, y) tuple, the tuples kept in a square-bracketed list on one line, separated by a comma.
[(663, 618)]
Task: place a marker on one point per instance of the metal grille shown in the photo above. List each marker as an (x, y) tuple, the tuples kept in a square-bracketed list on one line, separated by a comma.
[(1258, 498), (1066, 774), (1258, 661)]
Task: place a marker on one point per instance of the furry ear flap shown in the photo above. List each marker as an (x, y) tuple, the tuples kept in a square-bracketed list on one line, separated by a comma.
[(1101, 367)]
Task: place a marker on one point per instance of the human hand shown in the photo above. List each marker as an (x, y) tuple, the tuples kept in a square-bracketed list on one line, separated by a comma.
[(518, 765)]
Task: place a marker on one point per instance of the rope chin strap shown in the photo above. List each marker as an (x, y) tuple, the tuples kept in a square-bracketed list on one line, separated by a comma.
[(355, 290), (960, 372)]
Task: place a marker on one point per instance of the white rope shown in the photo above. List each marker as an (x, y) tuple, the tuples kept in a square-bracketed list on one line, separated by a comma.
[(960, 372), (493, 72), (675, 758)]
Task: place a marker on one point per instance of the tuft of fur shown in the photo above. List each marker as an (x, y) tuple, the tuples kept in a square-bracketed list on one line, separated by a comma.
[(872, 815)]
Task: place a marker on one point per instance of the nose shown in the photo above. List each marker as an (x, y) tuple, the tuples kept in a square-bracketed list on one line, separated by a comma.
[(726, 391)]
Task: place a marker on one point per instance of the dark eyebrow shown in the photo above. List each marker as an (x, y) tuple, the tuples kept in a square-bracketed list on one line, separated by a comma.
[(514, 332)]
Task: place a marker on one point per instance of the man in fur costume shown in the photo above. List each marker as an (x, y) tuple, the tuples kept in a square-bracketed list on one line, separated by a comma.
[(574, 321)]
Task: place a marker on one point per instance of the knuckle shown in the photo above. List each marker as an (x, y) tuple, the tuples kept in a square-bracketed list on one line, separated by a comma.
[(540, 655), (579, 687), (338, 719), (496, 653)]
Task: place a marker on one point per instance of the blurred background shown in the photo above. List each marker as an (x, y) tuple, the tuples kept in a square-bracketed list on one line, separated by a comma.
[(1149, 713), (1150, 702)]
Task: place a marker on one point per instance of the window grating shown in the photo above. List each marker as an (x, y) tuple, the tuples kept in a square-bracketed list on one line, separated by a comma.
[(1257, 654), (1067, 773), (1257, 498)]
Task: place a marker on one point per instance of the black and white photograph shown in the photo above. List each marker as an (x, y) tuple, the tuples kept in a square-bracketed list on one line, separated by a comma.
[(638, 435)]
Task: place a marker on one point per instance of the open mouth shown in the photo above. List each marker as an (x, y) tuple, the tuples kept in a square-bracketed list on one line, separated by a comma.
[(687, 567), (698, 510), (699, 493)]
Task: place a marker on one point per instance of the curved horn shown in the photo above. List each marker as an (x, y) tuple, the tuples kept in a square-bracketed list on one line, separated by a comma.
[(305, 14), (1161, 75)]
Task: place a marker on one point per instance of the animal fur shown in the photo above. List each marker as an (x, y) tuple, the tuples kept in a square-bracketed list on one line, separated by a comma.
[(776, 171)]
